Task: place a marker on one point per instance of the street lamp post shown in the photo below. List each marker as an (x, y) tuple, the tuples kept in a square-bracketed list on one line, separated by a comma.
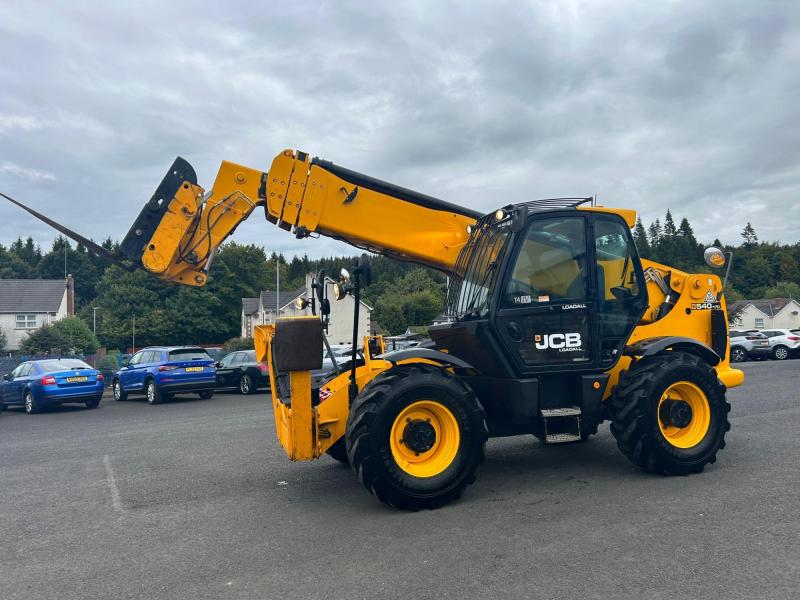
[(94, 320)]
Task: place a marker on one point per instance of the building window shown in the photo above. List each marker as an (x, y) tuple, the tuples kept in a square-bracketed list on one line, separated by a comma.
[(26, 321), (759, 323)]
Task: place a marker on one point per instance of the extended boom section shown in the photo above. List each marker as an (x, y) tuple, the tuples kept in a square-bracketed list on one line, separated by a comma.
[(178, 230)]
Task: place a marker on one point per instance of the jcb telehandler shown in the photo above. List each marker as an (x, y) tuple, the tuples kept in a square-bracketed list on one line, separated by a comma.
[(555, 324)]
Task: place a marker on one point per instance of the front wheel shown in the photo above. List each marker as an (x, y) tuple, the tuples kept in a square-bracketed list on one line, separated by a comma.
[(669, 414), (416, 436), (780, 353), (119, 393)]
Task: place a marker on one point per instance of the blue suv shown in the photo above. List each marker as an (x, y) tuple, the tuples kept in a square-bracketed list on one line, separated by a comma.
[(159, 372)]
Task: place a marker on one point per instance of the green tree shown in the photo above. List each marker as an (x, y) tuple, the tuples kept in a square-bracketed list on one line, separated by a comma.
[(76, 335), (783, 289), (640, 237), (44, 340), (749, 235)]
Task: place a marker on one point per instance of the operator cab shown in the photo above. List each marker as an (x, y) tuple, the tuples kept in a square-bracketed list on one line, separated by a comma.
[(560, 289)]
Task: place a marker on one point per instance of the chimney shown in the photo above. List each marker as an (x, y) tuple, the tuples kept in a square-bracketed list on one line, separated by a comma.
[(70, 295)]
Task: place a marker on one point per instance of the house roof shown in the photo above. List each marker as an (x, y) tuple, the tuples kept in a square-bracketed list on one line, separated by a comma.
[(770, 306), (269, 298), (250, 305), (31, 295)]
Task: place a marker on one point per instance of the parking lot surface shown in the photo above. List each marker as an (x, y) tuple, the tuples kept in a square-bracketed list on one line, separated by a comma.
[(194, 499)]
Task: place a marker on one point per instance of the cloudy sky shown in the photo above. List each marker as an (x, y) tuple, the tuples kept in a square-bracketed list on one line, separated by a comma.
[(691, 106)]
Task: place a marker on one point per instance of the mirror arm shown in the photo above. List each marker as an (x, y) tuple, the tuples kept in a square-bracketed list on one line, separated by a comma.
[(727, 272)]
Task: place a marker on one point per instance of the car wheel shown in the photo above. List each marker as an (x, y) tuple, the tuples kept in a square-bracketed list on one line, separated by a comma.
[(119, 393), (780, 353), (93, 403), (153, 394), (246, 384), (207, 394), (31, 406), (738, 354)]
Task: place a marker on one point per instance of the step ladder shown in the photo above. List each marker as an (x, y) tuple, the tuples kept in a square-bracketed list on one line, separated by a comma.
[(562, 425)]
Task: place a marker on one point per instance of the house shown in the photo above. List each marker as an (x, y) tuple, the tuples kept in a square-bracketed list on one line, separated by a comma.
[(269, 305), (775, 313), (27, 304)]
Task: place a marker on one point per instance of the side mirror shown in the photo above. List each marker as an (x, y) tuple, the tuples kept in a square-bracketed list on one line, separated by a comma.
[(6, 376), (218, 364), (714, 257)]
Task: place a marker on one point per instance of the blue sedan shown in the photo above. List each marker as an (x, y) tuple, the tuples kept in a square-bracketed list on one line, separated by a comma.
[(37, 384)]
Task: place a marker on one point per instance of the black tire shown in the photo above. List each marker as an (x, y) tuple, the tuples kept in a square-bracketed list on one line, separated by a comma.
[(780, 353), (208, 394), (31, 405), (738, 354), (119, 394), (152, 393), (635, 413), (375, 411), (91, 404), (339, 451), (247, 384)]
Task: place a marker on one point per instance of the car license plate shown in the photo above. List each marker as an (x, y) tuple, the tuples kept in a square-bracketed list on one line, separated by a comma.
[(193, 369), (76, 379)]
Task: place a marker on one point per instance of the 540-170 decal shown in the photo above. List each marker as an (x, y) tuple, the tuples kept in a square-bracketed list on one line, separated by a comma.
[(709, 302)]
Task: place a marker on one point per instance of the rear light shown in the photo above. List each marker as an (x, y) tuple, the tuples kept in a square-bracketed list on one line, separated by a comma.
[(263, 367), (794, 338), (753, 337), (100, 377), (48, 380), (166, 368)]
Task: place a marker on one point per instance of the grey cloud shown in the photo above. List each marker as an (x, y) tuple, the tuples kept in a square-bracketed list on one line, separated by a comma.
[(650, 105)]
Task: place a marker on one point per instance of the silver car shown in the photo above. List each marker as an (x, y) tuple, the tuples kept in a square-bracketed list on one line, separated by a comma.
[(783, 342), (748, 345)]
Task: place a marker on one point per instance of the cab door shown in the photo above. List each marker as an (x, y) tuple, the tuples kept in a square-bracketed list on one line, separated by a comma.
[(544, 315)]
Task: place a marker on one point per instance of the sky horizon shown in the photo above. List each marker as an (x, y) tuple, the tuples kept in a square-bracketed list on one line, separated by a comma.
[(682, 105)]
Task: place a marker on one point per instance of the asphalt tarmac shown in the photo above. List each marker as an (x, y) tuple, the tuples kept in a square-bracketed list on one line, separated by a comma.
[(194, 499)]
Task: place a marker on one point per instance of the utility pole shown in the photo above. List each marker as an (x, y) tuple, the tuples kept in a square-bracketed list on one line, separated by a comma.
[(65, 257), (94, 320)]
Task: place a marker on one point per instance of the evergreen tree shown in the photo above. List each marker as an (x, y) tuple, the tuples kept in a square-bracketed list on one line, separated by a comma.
[(640, 237), (749, 235)]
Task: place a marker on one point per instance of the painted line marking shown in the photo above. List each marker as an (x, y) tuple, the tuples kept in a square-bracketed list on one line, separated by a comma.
[(116, 501)]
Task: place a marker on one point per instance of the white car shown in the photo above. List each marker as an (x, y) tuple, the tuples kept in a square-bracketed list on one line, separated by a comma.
[(783, 342)]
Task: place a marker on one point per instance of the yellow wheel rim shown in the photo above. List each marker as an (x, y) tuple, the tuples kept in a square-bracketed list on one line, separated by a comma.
[(681, 427), (425, 438)]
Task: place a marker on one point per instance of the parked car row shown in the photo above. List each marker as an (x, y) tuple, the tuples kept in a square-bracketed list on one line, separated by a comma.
[(158, 373), (759, 344)]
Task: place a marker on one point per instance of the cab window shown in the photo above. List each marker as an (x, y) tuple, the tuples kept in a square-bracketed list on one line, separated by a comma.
[(551, 264)]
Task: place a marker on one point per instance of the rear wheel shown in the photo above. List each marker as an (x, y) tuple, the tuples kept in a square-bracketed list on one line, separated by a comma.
[(119, 393), (207, 394), (246, 385), (780, 353), (669, 414), (31, 405), (152, 392), (738, 354), (416, 436), (94, 403)]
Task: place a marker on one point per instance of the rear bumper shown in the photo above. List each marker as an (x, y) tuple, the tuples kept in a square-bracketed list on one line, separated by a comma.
[(759, 352), (175, 387), (67, 399)]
